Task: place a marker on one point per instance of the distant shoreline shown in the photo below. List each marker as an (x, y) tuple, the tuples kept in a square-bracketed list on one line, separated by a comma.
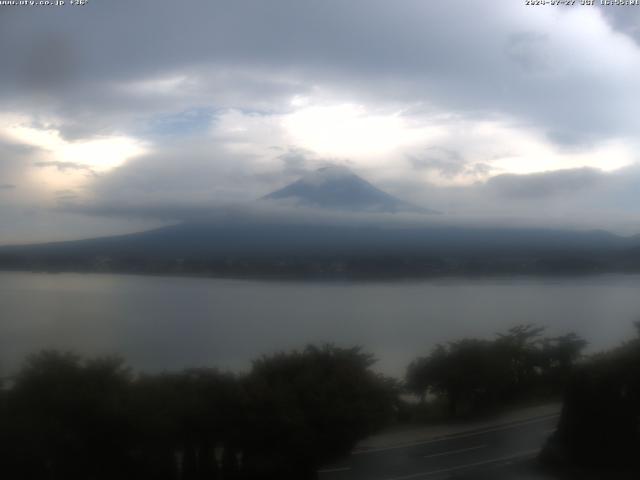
[(333, 278)]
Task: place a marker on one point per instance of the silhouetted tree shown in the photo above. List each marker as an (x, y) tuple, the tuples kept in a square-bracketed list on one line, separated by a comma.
[(180, 418), (599, 425), (474, 375), (311, 406), (559, 355), (520, 348), (466, 372), (68, 418)]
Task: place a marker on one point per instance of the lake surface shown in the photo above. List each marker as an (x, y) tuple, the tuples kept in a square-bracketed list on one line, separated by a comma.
[(159, 323)]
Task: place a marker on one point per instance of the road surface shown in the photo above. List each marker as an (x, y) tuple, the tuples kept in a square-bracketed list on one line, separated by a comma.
[(493, 452)]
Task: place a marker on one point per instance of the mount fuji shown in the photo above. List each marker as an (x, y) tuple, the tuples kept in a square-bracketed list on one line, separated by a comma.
[(338, 188), (280, 242)]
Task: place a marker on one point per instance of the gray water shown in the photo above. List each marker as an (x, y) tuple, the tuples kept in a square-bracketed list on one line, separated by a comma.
[(159, 323)]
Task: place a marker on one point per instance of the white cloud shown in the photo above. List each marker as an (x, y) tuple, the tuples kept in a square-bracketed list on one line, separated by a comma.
[(230, 101), (99, 154), (353, 131)]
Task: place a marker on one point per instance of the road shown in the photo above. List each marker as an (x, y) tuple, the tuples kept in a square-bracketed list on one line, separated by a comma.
[(490, 453)]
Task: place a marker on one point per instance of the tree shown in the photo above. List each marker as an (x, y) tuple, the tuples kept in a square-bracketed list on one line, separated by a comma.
[(520, 349), (466, 372), (559, 355), (599, 425), (475, 375), (180, 419), (68, 418), (308, 407)]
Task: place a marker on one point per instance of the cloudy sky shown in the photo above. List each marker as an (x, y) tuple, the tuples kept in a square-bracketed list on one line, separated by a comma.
[(118, 116)]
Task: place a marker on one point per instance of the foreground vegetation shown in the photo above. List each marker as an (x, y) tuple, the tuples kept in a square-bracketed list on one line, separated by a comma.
[(65, 417), (599, 429), (475, 376), (68, 418)]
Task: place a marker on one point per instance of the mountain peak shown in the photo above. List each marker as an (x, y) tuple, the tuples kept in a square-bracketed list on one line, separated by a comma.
[(328, 174), (336, 187)]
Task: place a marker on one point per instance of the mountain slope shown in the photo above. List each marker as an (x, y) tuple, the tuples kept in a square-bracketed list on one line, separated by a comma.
[(239, 248), (338, 188), (245, 244)]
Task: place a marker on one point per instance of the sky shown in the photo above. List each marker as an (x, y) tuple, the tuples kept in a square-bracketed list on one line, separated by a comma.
[(119, 116)]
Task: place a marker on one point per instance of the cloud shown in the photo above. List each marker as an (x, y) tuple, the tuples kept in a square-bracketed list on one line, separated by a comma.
[(255, 56), (13, 158), (223, 102), (546, 184), (63, 166), (624, 20), (448, 164), (577, 198), (296, 161), (529, 50)]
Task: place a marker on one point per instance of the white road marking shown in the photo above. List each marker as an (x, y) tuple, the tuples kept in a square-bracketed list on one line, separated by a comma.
[(456, 436), (468, 465), (453, 452), (334, 470)]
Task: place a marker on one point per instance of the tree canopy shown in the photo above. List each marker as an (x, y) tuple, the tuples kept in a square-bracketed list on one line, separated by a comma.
[(475, 374)]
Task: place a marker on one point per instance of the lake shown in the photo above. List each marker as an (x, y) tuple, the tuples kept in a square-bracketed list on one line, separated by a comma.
[(159, 323)]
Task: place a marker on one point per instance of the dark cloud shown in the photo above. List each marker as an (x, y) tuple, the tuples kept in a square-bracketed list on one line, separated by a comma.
[(49, 62), (64, 166), (546, 184), (168, 74), (259, 53), (448, 163), (296, 161), (578, 198), (66, 195), (66, 198), (623, 19), (13, 158), (528, 51), (183, 173), (255, 211)]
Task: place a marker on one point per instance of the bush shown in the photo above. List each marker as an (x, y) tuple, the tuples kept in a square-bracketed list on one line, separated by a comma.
[(477, 375), (600, 421), (70, 418)]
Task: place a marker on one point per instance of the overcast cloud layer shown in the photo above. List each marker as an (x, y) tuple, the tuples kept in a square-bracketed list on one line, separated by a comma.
[(118, 116)]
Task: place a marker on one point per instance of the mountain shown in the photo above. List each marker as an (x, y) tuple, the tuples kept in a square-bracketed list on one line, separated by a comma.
[(236, 247), (244, 244), (338, 188)]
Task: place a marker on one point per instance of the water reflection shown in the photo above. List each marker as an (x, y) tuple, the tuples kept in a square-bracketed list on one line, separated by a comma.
[(161, 323)]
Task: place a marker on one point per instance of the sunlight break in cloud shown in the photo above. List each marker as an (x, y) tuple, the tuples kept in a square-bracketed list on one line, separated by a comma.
[(421, 99), (350, 130), (444, 148), (100, 154), (531, 153)]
